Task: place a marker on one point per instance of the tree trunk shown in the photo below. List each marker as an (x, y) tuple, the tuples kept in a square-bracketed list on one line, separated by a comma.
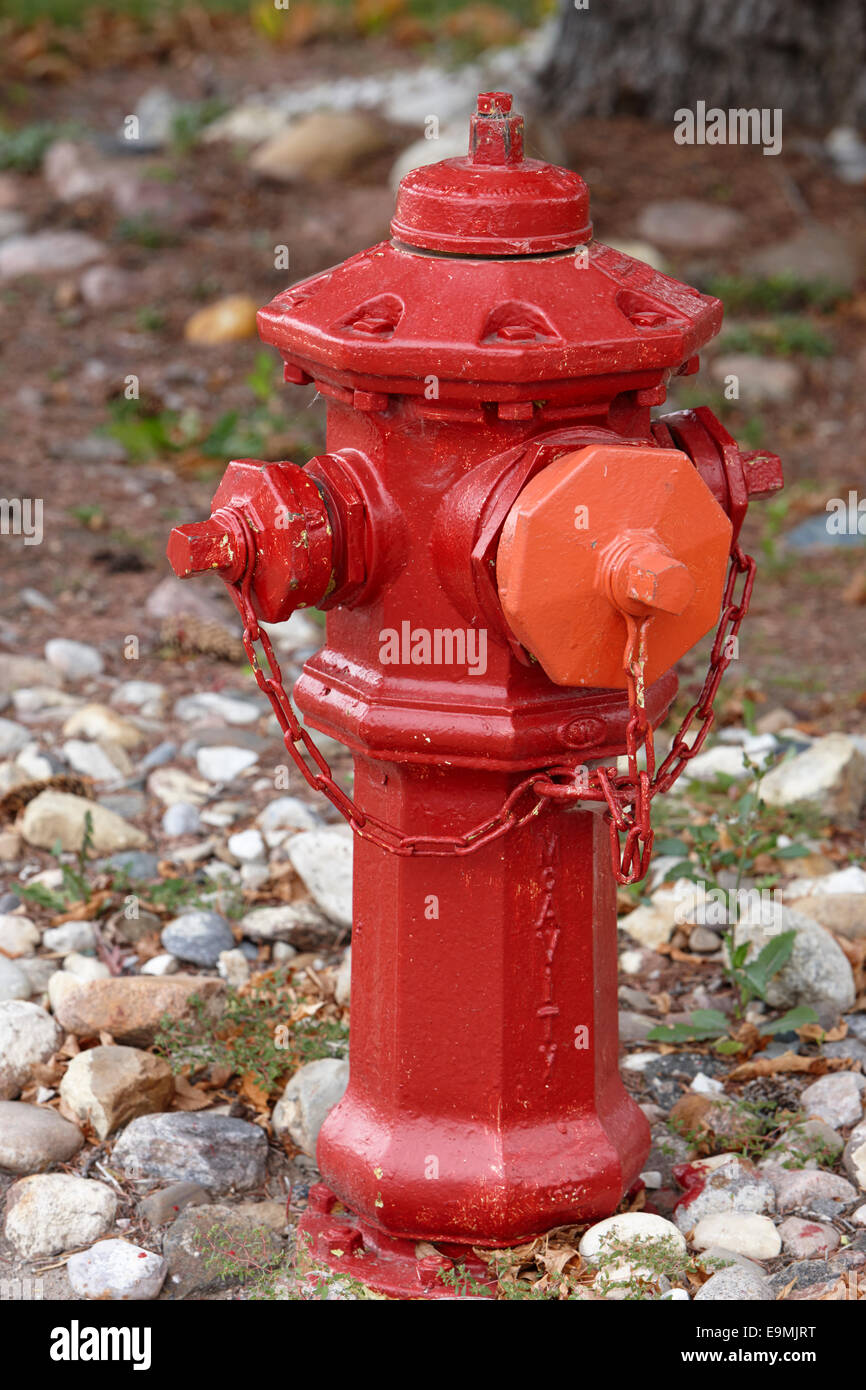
[(652, 57)]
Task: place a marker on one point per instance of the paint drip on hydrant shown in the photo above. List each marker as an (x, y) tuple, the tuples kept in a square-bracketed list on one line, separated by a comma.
[(512, 554)]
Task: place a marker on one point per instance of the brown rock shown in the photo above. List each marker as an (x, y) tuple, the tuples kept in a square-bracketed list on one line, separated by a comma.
[(323, 145), (108, 1086), (130, 1008)]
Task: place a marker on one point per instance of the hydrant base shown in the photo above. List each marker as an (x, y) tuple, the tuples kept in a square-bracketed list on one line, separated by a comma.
[(335, 1244)]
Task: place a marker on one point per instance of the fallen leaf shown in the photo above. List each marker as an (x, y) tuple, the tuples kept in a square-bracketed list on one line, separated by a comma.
[(788, 1062), (256, 1094), (190, 1097)]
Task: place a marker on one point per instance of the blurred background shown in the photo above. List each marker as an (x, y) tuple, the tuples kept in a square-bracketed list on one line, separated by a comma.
[(165, 168)]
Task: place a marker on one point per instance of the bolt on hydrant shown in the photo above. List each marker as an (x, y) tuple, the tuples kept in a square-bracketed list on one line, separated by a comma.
[(512, 555)]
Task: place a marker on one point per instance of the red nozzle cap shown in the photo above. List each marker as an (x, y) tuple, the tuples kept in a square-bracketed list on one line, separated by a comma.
[(493, 202), (201, 546)]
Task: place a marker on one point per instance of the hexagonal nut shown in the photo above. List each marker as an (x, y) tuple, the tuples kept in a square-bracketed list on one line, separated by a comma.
[(562, 551)]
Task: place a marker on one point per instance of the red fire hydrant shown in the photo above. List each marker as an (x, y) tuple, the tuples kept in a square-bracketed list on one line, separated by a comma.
[(512, 555)]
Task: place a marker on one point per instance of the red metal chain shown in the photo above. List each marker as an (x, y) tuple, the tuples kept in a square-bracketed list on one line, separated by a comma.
[(628, 795)]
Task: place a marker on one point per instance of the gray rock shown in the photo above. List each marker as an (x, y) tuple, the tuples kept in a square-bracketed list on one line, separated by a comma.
[(837, 1099), (854, 1156), (300, 923), (93, 760), (685, 224), (812, 1278), (733, 1186), (759, 379), (635, 1027), (14, 982), (801, 1190), (138, 865), (33, 1137), (47, 254), (198, 936), (75, 661), (323, 859), (108, 287), (670, 1075), (807, 1144), (52, 1212), (815, 255), (735, 1285), (193, 1244), (309, 1097), (13, 737), (181, 818), (218, 1152), (157, 112), (117, 1271), (817, 973), (28, 1036), (164, 1206), (157, 757)]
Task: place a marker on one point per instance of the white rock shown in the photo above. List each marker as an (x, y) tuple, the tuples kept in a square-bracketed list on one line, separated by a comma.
[(746, 1233), (219, 704), (28, 1036), (36, 765), (247, 846), (94, 760), (837, 1099), (707, 765), (148, 696), (221, 763), (309, 1097), (98, 722), (74, 660), (86, 967), (288, 812), (323, 859), (116, 1270), (707, 1085), (70, 936), (234, 968), (53, 816), (171, 784), (831, 775), (18, 935), (618, 1244), (52, 1212), (161, 965)]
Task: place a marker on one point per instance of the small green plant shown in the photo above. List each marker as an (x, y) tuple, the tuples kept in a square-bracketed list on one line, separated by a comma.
[(191, 120), (787, 336), (75, 885), (23, 149), (783, 293), (254, 1036)]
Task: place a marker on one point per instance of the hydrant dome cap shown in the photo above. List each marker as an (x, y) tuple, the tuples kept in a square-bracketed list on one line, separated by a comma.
[(493, 202)]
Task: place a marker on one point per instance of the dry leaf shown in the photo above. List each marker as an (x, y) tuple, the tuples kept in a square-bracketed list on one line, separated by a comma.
[(788, 1062), (190, 1097), (813, 1032), (256, 1095), (85, 911)]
